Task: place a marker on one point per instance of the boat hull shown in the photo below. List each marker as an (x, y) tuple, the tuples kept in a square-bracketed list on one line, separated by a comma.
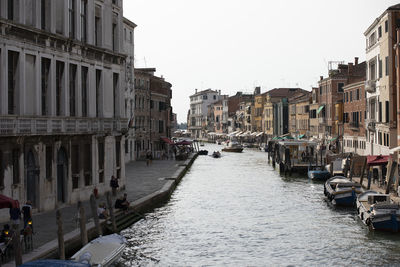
[(318, 175), (237, 150)]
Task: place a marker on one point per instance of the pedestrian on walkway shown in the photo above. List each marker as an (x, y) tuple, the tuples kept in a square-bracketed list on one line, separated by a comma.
[(15, 213), (114, 185), (149, 157), (27, 213)]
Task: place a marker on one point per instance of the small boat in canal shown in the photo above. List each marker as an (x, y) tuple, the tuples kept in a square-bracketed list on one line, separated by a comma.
[(378, 211), (341, 191), (102, 251), (54, 263), (203, 152), (233, 147), (216, 154), (318, 173)]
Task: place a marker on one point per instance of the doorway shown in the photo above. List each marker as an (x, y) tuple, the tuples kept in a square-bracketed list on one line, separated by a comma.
[(31, 179), (62, 175)]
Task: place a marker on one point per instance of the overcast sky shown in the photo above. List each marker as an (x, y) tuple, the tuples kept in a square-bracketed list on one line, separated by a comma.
[(235, 45)]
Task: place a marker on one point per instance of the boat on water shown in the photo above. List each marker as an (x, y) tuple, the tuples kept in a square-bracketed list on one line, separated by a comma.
[(216, 154), (318, 174), (233, 147), (203, 152), (378, 211), (54, 263), (341, 191), (102, 251)]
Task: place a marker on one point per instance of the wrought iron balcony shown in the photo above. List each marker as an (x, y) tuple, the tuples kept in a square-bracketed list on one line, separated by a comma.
[(13, 125)]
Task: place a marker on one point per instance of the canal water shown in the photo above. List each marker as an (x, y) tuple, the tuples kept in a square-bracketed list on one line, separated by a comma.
[(238, 211)]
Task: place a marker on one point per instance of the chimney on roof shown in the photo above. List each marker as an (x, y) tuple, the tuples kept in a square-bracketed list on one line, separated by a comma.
[(350, 69), (321, 78), (356, 61), (195, 90)]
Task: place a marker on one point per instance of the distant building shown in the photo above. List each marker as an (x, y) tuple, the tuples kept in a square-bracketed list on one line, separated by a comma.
[(314, 110), (197, 116), (299, 114)]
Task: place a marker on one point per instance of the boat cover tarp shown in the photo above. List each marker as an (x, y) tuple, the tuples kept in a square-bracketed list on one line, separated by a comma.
[(377, 160), (183, 143), (6, 202), (167, 140), (54, 263)]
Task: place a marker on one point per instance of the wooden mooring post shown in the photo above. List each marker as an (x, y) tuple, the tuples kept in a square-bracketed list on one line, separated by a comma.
[(389, 175), (363, 170), (93, 206), (111, 209), (60, 235), (17, 245), (82, 223)]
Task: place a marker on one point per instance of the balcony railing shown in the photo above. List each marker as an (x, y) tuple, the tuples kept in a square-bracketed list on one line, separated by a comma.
[(12, 125)]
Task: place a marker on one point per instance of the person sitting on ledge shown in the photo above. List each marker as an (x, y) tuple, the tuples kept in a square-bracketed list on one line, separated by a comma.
[(122, 203)]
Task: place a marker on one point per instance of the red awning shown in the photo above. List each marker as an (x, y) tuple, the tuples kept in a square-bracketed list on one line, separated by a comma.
[(6, 202), (167, 140), (377, 160)]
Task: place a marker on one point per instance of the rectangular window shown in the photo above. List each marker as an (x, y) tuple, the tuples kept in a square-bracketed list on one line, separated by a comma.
[(379, 32), (100, 148), (116, 94), (386, 26), (13, 58), (351, 96), (340, 87), (43, 14), (45, 85), (160, 126), (10, 9), (75, 166), (98, 84), (72, 90), (387, 66), (380, 68), (372, 70), (358, 94), (87, 164), (15, 166), (59, 85), (83, 20), (71, 17), (97, 26), (84, 79), (380, 112), (114, 37), (118, 153), (387, 111), (49, 162)]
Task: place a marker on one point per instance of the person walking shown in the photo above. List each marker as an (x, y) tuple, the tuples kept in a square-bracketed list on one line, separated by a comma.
[(149, 157), (114, 185), (27, 213), (15, 213)]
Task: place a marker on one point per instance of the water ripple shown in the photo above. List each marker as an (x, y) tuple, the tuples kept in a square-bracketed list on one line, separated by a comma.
[(238, 211)]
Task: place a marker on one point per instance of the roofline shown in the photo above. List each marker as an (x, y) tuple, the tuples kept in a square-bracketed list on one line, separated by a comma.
[(391, 8), (130, 23)]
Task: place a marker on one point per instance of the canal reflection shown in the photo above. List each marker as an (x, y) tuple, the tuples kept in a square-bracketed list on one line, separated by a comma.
[(238, 211)]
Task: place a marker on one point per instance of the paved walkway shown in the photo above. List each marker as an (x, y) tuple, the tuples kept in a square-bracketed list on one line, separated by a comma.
[(142, 180)]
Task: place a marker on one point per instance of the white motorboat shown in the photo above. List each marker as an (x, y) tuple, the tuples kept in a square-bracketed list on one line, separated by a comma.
[(378, 211), (102, 251), (341, 191)]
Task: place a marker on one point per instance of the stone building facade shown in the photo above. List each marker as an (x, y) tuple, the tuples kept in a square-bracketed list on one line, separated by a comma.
[(62, 117)]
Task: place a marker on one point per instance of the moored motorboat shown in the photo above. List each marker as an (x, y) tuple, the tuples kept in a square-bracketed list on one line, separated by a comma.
[(233, 147), (54, 263), (378, 211), (318, 174), (341, 191), (203, 152), (102, 251), (216, 154)]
